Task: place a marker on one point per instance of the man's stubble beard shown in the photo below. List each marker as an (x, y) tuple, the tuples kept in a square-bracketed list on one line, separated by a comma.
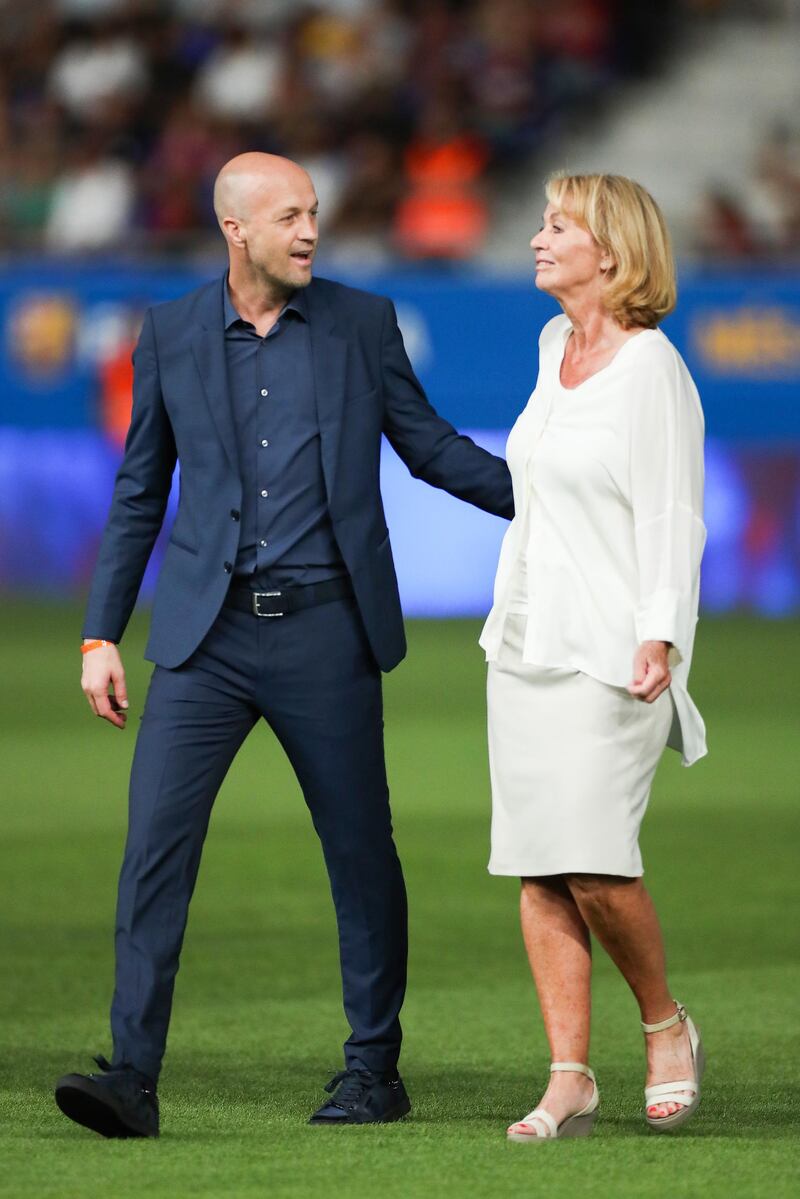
[(277, 283)]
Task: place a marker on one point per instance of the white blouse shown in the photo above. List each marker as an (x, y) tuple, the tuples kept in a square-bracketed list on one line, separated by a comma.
[(604, 549)]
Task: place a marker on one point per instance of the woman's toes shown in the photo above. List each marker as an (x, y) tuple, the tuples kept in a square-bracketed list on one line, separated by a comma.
[(657, 1111), (530, 1130)]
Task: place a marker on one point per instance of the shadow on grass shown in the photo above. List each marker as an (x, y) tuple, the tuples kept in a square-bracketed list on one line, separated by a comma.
[(453, 1096), (284, 1092)]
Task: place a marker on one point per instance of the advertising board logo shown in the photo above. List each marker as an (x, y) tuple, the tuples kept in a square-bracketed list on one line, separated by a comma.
[(41, 333), (759, 343)]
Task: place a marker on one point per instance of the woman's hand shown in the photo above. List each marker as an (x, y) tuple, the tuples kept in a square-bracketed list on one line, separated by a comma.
[(651, 673)]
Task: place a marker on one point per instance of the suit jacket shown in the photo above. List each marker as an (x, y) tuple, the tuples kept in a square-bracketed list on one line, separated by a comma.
[(364, 387)]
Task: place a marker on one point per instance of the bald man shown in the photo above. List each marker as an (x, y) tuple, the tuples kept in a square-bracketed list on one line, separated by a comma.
[(277, 599)]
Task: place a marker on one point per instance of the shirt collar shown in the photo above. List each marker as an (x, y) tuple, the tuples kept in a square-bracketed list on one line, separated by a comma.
[(296, 303)]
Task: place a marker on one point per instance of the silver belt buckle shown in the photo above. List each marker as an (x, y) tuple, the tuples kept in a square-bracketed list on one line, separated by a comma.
[(258, 595)]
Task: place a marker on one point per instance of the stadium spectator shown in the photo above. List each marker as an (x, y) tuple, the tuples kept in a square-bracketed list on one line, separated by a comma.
[(577, 46), (92, 202), (503, 75), (778, 179), (764, 221), (444, 214), (725, 230), (178, 175), (104, 63), (240, 80), (26, 188), (368, 200)]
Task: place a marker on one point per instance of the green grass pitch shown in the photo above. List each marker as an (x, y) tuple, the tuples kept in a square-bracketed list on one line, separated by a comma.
[(257, 1024)]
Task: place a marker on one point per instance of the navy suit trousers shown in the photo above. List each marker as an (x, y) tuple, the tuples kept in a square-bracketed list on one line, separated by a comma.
[(312, 677)]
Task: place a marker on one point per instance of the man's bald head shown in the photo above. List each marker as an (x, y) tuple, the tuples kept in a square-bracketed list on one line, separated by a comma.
[(267, 209), (250, 179)]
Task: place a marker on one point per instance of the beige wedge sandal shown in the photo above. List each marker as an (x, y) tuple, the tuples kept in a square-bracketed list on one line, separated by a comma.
[(580, 1124), (685, 1091)]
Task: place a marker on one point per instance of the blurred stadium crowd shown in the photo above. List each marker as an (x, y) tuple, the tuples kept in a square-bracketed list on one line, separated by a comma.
[(763, 221), (115, 115)]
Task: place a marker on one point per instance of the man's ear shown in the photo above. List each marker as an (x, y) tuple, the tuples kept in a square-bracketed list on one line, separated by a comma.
[(234, 231)]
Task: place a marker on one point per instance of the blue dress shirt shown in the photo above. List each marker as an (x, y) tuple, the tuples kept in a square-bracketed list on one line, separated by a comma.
[(286, 537)]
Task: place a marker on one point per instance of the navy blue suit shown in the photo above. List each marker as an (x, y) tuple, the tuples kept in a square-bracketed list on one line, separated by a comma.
[(313, 675)]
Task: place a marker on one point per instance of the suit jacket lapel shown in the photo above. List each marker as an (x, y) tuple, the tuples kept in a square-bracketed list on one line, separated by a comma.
[(329, 359), (208, 347)]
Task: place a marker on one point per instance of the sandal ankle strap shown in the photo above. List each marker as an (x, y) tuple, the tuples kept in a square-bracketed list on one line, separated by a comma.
[(577, 1067), (678, 1018)]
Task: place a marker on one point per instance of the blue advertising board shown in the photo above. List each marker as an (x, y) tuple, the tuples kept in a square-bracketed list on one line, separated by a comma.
[(472, 339), (65, 400)]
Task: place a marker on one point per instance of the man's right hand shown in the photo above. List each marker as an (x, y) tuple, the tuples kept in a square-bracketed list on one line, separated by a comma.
[(102, 669)]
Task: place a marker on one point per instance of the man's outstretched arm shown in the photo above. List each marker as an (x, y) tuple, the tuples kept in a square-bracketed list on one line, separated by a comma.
[(428, 444)]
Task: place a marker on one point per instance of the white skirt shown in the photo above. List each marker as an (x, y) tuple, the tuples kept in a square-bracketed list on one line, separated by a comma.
[(571, 762)]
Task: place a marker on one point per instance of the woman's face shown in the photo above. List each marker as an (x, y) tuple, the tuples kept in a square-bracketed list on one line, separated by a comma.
[(568, 259)]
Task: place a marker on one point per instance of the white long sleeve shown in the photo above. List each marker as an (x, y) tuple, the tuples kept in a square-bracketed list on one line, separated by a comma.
[(608, 525), (666, 490)]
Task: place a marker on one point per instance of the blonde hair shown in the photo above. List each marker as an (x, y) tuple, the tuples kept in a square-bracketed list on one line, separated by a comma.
[(625, 221)]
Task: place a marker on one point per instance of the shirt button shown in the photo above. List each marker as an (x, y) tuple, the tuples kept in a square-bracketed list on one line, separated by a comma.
[(265, 443), (263, 544), (235, 514), (264, 494), (264, 391), (228, 567)]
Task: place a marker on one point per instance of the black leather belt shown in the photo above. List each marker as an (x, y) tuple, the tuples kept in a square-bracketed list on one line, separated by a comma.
[(289, 599)]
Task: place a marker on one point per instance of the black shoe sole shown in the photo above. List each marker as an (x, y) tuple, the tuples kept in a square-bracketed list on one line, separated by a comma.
[(394, 1113), (92, 1106)]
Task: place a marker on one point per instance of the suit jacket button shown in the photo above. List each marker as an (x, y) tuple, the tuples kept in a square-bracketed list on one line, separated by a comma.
[(235, 514), (228, 567)]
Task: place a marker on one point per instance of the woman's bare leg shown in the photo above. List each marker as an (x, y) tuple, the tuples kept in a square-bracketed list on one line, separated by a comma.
[(621, 915), (559, 951)]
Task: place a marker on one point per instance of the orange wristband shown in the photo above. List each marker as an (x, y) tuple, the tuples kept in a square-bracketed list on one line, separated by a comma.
[(90, 645)]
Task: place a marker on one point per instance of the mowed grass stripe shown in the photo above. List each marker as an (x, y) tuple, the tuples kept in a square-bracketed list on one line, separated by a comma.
[(258, 1021)]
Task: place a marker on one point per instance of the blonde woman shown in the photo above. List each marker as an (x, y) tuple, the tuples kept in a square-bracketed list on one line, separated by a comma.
[(589, 640)]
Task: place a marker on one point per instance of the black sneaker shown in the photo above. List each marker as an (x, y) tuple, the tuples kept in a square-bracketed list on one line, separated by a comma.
[(120, 1102), (361, 1097)]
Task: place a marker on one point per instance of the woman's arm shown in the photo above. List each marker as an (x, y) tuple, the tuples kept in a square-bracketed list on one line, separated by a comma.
[(666, 477)]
